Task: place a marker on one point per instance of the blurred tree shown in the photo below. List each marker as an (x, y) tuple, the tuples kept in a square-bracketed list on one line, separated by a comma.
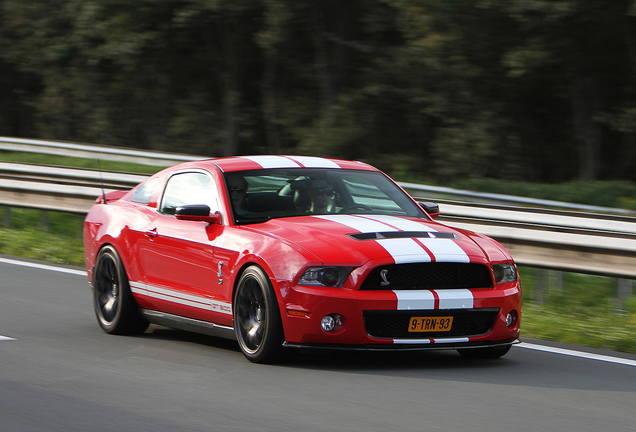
[(513, 89)]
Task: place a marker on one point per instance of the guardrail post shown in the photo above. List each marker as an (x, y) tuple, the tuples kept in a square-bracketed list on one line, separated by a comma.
[(624, 291), (6, 216), (541, 285), (44, 220), (557, 281)]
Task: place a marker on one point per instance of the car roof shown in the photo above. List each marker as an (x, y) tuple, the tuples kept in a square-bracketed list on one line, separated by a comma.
[(243, 163)]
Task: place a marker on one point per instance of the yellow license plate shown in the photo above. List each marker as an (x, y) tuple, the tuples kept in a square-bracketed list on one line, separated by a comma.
[(431, 324)]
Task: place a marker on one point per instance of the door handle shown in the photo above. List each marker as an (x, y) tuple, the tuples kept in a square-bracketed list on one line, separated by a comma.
[(152, 233)]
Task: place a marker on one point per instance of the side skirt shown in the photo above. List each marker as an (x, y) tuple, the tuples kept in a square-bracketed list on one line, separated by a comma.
[(188, 324)]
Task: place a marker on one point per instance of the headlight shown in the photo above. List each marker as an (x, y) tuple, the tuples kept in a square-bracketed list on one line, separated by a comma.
[(504, 272), (325, 276)]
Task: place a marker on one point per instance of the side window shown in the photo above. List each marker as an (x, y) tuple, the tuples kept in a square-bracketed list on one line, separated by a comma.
[(144, 192), (189, 188)]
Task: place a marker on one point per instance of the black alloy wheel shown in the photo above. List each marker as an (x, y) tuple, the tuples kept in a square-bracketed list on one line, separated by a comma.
[(115, 307), (257, 322)]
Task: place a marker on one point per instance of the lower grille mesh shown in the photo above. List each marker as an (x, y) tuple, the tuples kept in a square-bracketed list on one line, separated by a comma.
[(395, 324)]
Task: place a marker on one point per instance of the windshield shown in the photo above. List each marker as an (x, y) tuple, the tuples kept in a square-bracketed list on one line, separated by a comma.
[(259, 195)]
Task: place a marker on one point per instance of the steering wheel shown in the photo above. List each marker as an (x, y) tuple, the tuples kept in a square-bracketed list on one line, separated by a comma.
[(351, 207)]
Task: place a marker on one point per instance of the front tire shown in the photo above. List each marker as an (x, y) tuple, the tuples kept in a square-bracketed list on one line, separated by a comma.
[(257, 322), (115, 307)]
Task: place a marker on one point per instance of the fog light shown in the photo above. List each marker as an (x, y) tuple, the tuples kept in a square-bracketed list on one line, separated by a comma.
[(328, 323), (511, 318)]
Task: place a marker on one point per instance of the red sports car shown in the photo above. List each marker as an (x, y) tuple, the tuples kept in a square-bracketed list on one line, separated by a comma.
[(280, 252)]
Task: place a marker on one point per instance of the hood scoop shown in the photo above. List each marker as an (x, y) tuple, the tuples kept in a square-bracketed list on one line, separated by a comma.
[(403, 234)]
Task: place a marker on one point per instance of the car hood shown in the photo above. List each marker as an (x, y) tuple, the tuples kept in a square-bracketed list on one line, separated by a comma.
[(356, 239)]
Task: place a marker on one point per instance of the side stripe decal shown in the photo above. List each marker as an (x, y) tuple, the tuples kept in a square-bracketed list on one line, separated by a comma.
[(181, 298)]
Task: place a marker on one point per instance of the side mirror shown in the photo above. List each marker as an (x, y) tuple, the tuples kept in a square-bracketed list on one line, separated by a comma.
[(197, 212), (430, 207)]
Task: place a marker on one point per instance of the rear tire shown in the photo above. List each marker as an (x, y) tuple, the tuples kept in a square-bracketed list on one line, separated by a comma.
[(485, 353), (115, 308), (257, 322)]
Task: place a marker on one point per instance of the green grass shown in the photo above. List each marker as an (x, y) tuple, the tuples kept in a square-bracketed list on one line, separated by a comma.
[(47, 236), (578, 309)]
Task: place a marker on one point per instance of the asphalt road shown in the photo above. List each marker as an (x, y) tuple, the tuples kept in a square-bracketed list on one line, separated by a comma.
[(60, 372)]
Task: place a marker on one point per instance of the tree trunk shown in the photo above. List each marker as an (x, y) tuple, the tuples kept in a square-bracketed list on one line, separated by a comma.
[(587, 131)]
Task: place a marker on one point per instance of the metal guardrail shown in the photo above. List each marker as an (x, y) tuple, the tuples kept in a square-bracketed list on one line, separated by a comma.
[(547, 238), (60, 148)]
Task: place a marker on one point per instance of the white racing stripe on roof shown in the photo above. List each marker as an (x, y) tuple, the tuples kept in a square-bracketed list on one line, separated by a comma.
[(404, 250), (415, 300), (273, 161), (401, 223), (445, 250), (314, 162), (455, 299)]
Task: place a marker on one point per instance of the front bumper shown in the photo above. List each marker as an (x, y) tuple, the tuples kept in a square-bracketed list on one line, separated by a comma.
[(378, 320)]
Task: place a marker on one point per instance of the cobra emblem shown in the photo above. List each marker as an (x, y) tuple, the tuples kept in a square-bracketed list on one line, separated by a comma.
[(385, 281)]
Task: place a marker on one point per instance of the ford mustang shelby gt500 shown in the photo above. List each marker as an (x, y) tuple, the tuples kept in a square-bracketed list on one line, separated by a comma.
[(291, 251)]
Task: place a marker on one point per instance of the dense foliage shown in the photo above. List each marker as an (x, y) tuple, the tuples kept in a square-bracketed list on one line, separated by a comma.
[(534, 90)]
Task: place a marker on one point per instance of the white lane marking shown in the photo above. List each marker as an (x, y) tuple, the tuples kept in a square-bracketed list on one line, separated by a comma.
[(580, 354), (273, 161), (455, 299), (43, 266), (5, 338), (422, 300)]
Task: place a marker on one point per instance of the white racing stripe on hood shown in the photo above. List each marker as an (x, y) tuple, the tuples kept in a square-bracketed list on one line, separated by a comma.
[(404, 250), (401, 223), (273, 161), (445, 250), (357, 223), (314, 162)]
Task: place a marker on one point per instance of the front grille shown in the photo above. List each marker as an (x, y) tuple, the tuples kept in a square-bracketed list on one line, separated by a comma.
[(395, 324), (428, 276)]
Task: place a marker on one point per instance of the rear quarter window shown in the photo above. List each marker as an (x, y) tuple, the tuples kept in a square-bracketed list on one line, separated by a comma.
[(143, 193)]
